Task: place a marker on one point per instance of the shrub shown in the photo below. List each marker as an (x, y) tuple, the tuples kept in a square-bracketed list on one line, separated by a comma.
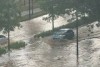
[(2, 51), (17, 45)]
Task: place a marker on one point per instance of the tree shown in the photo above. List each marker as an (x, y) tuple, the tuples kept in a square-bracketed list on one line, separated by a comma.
[(89, 7), (9, 17), (49, 6)]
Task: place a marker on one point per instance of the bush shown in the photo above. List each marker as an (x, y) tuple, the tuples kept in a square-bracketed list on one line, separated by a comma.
[(17, 45), (2, 51)]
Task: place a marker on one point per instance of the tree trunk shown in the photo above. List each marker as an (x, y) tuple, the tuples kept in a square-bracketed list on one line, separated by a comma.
[(8, 43), (77, 44), (52, 10), (77, 49), (29, 9), (77, 34), (32, 7), (8, 31), (24, 2), (52, 23)]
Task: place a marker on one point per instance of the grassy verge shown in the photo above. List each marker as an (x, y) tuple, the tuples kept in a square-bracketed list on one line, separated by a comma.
[(82, 22), (15, 45)]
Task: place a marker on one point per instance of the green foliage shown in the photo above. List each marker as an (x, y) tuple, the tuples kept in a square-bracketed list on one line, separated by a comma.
[(17, 45), (91, 7), (82, 7), (55, 6), (2, 51), (9, 15), (51, 7)]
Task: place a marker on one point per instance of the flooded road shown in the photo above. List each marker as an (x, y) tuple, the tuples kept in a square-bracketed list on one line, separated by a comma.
[(38, 53), (31, 27), (41, 54)]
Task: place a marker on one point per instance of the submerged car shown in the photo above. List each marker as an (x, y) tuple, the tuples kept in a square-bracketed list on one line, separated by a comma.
[(63, 34)]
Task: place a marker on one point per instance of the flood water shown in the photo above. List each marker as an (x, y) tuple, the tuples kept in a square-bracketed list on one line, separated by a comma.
[(38, 53)]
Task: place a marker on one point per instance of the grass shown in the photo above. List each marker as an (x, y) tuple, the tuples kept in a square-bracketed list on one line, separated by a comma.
[(82, 22)]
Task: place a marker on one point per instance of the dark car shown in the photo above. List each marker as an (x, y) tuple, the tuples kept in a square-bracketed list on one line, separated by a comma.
[(63, 34)]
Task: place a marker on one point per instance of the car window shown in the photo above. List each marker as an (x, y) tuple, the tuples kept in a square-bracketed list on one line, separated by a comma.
[(60, 32)]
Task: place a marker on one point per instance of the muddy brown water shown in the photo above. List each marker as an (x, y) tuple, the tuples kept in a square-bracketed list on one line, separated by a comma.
[(41, 54)]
